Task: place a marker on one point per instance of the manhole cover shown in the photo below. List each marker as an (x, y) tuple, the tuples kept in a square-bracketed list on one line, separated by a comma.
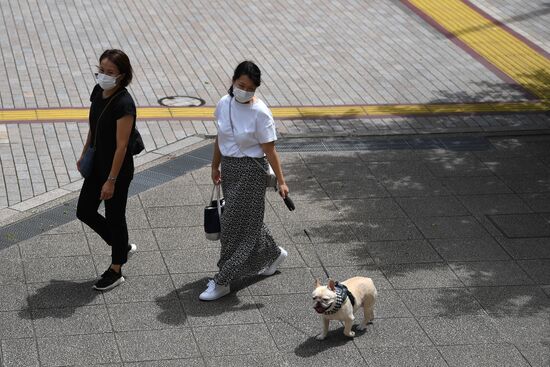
[(181, 101)]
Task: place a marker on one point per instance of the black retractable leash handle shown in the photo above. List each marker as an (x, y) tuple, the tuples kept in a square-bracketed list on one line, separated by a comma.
[(289, 203)]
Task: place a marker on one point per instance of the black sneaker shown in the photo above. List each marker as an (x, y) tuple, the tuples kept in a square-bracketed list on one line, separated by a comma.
[(105, 273), (109, 280)]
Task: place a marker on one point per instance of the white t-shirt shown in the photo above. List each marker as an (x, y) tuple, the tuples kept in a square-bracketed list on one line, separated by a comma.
[(252, 123)]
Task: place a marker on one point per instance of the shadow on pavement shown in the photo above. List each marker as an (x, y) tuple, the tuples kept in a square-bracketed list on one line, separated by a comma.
[(350, 113), (189, 295), (368, 200), (488, 92), (334, 339), (60, 299), (534, 84)]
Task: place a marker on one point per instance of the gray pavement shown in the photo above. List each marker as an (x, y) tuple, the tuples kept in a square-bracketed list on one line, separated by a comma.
[(321, 53), (448, 214), (453, 230)]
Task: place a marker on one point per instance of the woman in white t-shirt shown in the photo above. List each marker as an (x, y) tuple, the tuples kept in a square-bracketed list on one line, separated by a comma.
[(244, 145)]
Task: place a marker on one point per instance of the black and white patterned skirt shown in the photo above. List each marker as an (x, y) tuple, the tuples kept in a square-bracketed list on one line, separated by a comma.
[(246, 243)]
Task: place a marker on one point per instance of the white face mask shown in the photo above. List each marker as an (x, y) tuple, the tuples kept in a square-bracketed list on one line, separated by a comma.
[(106, 82), (242, 95)]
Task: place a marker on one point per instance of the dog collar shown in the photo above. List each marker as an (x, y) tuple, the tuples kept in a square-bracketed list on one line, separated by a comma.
[(342, 293)]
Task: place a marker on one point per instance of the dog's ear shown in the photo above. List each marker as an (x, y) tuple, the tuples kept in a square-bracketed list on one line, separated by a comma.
[(331, 285), (317, 283)]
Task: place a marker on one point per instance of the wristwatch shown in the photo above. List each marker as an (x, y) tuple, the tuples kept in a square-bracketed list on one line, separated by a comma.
[(111, 178)]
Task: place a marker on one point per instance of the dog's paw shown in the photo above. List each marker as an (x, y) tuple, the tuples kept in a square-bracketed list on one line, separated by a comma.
[(350, 335), (320, 337), (361, 327)]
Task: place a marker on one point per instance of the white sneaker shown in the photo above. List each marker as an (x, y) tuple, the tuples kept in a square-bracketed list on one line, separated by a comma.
[(131, 250), (273, 267), (214, 291)]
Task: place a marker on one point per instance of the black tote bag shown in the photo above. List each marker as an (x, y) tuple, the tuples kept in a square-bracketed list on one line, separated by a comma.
[(212, 215)]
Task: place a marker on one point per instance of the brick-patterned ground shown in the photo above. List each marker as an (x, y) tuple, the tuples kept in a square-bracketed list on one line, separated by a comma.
[(311, 53), (322, 52)]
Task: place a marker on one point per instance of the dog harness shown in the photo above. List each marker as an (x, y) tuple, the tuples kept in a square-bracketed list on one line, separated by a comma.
[(342, 293)]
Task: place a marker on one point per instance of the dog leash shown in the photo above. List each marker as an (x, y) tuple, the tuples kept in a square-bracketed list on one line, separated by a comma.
[(316, 254)]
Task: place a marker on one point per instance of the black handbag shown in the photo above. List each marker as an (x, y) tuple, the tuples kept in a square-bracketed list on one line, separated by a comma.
[(87, 162), (137, 142), (212, 215)]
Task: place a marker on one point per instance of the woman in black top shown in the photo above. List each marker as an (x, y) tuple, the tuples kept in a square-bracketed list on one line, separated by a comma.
[(112, 117)]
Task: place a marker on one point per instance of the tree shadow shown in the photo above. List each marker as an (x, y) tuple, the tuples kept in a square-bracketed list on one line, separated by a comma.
[(60, 299), (538, 83), (347, 112), (531, 85), (451, 159), (500, 301), (489, 92)]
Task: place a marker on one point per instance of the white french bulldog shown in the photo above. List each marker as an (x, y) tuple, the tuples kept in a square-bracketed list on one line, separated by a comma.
[(334, 302)]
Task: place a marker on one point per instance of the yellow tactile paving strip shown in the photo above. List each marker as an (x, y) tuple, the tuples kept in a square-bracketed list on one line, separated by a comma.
[(494, 43), (288, 113)]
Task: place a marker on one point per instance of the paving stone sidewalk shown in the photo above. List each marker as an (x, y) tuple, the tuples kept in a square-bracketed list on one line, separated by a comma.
[(454, 231), (358, 52), (311, 53)]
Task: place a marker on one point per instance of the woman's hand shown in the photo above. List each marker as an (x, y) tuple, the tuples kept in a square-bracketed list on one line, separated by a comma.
[(216, 176), (108, 190), (283, 190)]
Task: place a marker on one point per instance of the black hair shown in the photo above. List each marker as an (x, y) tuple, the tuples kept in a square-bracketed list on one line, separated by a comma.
[(122, 62), (249, 69)]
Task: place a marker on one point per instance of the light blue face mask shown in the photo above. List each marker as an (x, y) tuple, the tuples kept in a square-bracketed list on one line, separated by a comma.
[(242, 96), (105, 81)]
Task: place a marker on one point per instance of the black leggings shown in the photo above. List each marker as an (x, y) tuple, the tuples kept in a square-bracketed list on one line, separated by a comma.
[(111, 227)]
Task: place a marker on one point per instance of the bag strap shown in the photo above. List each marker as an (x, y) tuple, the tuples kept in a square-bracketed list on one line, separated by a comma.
[(238, 147), (216, 189), (213, 192), (99, 118)]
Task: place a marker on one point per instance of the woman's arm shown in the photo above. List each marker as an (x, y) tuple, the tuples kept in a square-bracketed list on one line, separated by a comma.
[(216, 160), (273, 159), (124, 127)]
